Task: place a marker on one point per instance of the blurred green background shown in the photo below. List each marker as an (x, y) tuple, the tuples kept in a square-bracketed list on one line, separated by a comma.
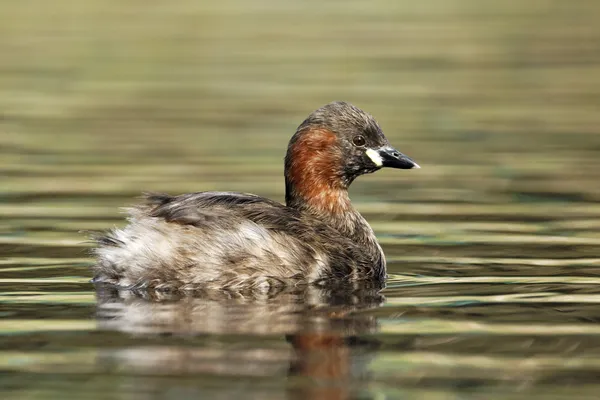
[(114, 97), (492, 246)]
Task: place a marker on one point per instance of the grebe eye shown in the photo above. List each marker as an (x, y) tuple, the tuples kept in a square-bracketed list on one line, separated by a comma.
[(359, 141)]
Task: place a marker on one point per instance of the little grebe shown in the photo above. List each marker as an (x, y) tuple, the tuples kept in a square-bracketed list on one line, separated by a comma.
[(241, 241)]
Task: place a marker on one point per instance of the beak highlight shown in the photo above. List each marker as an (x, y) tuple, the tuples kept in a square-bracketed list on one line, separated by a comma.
[(390, 157)]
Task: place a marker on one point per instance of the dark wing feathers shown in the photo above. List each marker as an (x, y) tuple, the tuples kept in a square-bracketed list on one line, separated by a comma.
[(199, 208), (157, 199), (104, 239)]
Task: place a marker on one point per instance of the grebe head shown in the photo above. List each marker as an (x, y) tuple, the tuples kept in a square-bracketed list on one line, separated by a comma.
[(334, 145)]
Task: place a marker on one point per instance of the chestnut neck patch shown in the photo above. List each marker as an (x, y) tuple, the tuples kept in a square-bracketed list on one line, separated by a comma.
[(314, 173)]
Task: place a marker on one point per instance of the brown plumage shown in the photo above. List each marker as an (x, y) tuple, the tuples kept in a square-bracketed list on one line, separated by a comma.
[(242, 241)]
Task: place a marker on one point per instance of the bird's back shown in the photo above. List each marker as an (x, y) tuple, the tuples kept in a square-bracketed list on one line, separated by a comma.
[(220, 239)]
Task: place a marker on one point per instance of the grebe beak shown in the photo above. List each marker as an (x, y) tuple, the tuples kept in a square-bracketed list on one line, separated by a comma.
[(390, 157)]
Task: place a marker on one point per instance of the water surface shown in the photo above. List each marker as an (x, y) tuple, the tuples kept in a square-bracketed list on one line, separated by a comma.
[(493, 246)]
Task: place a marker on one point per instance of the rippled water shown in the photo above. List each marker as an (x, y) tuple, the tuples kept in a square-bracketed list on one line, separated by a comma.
[(493, 246)]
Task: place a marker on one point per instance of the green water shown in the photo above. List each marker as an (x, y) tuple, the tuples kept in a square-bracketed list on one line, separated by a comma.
[(493, 246)]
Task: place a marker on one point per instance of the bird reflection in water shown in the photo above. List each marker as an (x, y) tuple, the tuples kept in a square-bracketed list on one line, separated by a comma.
[(320, 337)]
